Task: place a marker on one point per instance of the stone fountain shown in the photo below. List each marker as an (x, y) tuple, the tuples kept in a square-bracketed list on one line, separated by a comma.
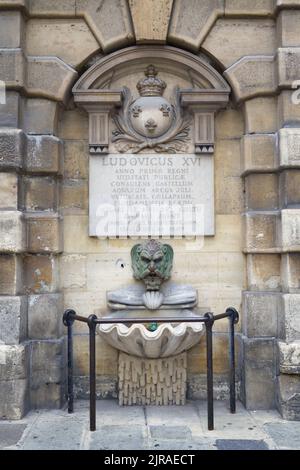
[(153, 359)]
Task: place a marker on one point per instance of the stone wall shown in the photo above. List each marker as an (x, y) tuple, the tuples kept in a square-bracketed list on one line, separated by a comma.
[(44, 244)]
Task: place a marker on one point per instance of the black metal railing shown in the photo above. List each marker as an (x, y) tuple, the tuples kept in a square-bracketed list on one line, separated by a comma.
[(208, 319)]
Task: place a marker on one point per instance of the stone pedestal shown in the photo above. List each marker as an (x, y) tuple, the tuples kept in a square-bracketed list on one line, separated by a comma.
[(152, 381)]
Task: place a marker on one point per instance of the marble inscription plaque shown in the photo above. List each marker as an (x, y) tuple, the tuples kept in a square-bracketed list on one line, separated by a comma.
[(151, 195)]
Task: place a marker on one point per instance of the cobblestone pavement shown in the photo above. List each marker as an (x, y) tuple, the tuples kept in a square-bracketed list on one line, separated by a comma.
[(150, 428)]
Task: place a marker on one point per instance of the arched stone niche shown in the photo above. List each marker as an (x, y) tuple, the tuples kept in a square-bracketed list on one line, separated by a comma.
[(183, 92)]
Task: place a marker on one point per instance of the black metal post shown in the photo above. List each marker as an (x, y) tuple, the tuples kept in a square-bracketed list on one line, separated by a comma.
[(92, 329), (233, 319), (68, 320), (209, 359)]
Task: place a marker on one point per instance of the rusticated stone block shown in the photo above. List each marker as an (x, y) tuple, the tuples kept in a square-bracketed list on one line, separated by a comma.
[(291, 317), (244, 7), (290, 229), (41, 274), (263, 272), (151, 19), (288, 59), (14, 362), (288, 28), (40, 193), (110, 34), (258, 373), (74, 197), (44, 233), (69, 39), (289, 357), (40, 116), (261, 314), (290, 272), (261, 115), (252, 76), (10, 110), (11, 29), (259, 152), (12, 232), (290, 188), (45, 316), (289, 147), (261, 231), (14, 399), (47, 374), (13, 319), (12, 67), (11, 148), (76, 161), (288, 108), (44, 154), (288, 396), (261, 191), (8, 191), (10, 275)]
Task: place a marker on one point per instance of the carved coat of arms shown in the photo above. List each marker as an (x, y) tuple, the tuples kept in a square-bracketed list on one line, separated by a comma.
[(151, 121)]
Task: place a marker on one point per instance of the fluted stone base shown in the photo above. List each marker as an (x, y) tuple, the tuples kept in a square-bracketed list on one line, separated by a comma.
[(152, 381)]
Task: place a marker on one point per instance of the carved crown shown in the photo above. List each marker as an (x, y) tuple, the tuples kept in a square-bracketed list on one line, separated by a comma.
[(151, 85)]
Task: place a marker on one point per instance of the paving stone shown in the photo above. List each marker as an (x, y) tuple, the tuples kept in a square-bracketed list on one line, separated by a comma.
[(240, 444), (118, 437), (285, 435), (10, 433), (195, 444), (172, 432)]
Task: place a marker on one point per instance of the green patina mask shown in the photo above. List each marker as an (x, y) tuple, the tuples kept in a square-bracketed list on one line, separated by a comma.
[(152, 263)]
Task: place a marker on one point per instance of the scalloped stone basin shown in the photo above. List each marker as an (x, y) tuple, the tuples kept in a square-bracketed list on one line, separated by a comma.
[(167, 340)]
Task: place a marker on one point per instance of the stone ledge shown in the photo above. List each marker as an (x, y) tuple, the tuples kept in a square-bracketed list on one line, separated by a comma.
[(282, 4), (289, 357), (14, 4)]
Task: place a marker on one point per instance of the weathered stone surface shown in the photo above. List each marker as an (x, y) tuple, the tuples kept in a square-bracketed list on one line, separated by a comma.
[(110, 34), (291, 317), (229, 124), (41, 274), (73, 271), (14, 398), (11, 148), (40, 193), (290, 272), (261, 191), (49, 77), (12, 67), (74, 125), (44, 154), (11, 29), (243, 7), (6, 4), (190, 24), (13, 319), (289, 357), (258, 152), (260, 231), (288, 396), (287, 28), (290, 188), (106, 387), (151, 19), (12, 232), (290, 229), (289, 111), (263, 272), (14, 362), (40, 116), (261, 115), (70, 39), (261, 311), (10, 275), (258, 374), (8, 191), (289, 147), (244, 38), (10, 110), (44, 233), (288, 3), (74, 197), (52, 8), (107, 366), (252, 76), (288, 66), (47, 378), (76, 160), (45, 316)]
